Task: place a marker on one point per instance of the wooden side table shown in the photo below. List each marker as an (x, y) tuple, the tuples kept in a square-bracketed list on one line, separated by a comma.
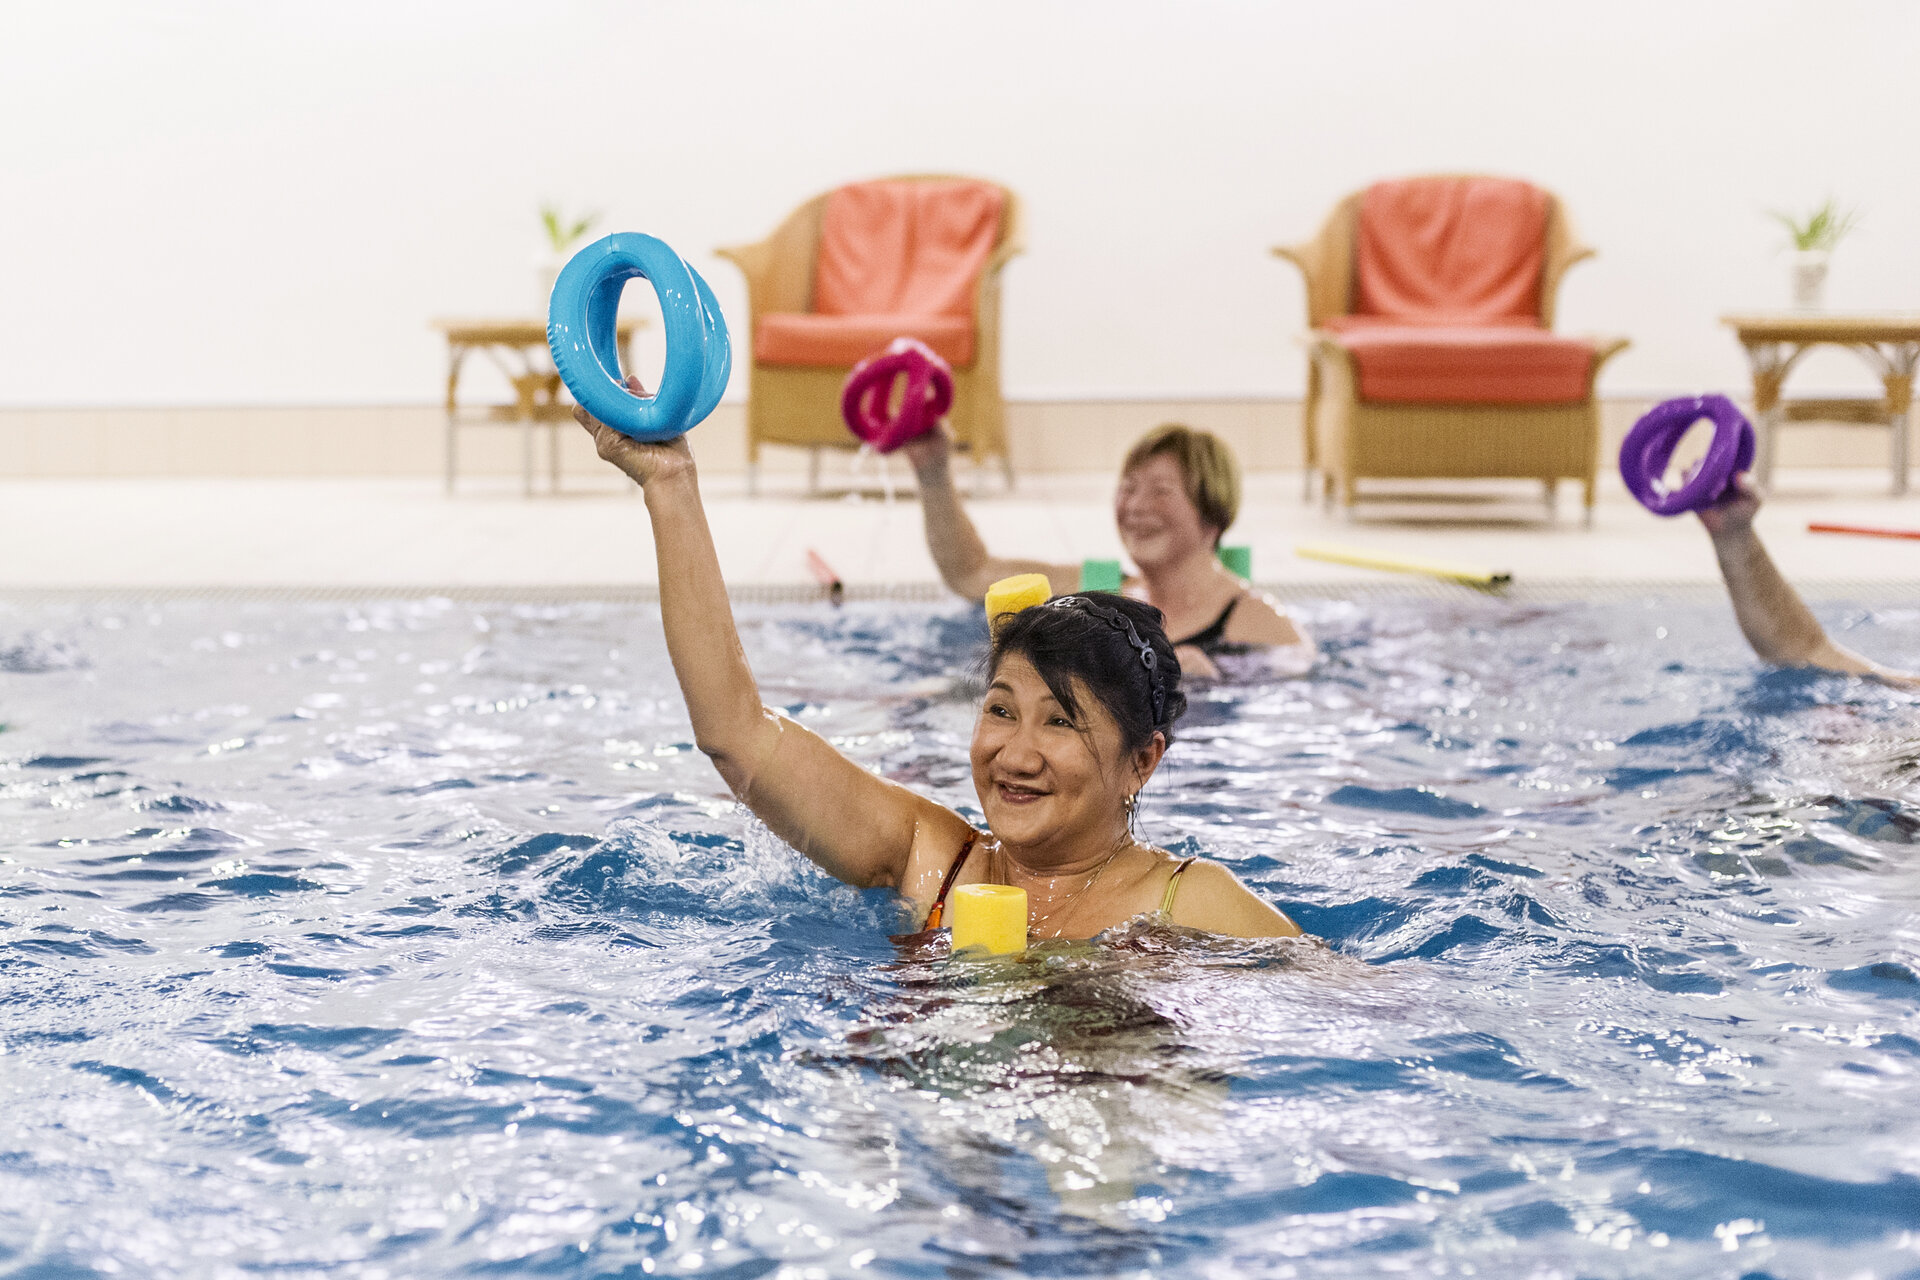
[(1889, 342), (519, 349)]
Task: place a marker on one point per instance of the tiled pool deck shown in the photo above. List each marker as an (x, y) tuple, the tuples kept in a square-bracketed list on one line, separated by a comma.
[(173, 534)]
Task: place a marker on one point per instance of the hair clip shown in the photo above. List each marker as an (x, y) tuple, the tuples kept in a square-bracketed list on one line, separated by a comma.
[(1121, 622)]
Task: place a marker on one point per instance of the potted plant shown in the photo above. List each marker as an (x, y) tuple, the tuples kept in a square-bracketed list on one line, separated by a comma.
[(1813, 237), (562, 234)]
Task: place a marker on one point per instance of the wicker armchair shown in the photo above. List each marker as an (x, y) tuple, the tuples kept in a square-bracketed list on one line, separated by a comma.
[(794, 399), (1431, 305)]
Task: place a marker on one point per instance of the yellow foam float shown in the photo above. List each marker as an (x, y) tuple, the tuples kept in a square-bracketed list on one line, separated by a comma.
[(1011, 595), (1453, 570), (993, 916)]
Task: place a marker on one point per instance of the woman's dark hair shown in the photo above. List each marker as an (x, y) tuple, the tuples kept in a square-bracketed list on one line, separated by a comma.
[(1114, 646)]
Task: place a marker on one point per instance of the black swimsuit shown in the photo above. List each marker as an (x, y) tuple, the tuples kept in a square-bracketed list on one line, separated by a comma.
[(1212, 639)]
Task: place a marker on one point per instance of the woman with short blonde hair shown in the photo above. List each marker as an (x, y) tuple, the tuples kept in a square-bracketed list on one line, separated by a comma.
[(1207, 468), (1179, 493)]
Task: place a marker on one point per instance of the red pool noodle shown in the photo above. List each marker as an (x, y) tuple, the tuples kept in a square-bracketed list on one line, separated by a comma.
[(824, 575), (1865, 531)]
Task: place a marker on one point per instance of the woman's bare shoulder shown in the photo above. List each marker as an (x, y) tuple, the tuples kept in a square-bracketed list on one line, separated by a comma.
[(1260, 619), (939, 836), (1211, 897)]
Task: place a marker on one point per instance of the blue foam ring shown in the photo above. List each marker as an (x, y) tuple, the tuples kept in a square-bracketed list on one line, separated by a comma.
[(582, 334)]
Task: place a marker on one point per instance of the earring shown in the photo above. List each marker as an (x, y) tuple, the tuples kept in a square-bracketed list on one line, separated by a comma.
[(1127, 804)]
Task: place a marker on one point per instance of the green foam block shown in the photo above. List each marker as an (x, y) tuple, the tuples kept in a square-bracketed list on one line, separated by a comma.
[(1100, 575)]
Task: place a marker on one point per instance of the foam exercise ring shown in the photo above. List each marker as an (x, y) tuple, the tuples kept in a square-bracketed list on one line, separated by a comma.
[(580, 332), (865, 400), (1649, 447)]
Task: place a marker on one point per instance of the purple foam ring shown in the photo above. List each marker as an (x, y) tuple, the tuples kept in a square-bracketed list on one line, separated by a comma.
[(1649, 447)]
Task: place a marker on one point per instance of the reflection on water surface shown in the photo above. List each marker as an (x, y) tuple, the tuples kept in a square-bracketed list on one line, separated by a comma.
[(415, 938)]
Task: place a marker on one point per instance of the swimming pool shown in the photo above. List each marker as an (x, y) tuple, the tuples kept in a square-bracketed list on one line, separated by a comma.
[(412, 937)]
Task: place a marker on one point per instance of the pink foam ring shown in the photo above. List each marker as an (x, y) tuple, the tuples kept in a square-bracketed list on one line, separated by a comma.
[(865, 400)]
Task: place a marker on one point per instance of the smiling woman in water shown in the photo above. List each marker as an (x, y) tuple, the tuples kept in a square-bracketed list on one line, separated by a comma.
[(1083, 693), (1179, 492)]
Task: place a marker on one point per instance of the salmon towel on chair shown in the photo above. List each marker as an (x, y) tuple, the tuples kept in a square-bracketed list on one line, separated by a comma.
[(1461, 251), (896, 259), (1447, 275)]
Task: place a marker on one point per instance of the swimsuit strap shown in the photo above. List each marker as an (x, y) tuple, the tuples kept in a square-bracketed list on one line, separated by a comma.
[(1173, 887), (938, 912), (1216, 631)]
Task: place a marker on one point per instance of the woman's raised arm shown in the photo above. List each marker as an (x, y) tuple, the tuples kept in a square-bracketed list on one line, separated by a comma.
[(859, 827), (1776, 622), (962, 557)]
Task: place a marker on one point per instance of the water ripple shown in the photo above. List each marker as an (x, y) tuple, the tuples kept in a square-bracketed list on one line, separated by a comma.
[(415, 938)]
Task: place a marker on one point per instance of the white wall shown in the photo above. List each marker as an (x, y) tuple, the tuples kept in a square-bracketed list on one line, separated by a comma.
[(236, 202)]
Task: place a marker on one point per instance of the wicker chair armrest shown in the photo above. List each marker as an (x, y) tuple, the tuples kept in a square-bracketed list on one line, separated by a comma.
[(754, 260)]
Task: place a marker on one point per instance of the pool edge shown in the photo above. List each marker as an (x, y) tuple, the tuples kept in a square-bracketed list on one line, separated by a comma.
[(1539, 591)]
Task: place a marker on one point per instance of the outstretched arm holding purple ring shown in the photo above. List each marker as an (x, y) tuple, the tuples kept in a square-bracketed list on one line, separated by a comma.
[(1776, 622)]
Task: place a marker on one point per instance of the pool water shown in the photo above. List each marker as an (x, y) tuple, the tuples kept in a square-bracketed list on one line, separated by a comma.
[(413, 938)]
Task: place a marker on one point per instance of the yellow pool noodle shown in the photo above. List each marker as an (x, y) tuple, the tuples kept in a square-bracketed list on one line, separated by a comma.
[(1011, 595), (1472, 574), (993, 916)]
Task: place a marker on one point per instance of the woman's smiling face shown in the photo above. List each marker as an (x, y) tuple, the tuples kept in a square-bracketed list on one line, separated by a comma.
[(1041, 774), (1158, 522)]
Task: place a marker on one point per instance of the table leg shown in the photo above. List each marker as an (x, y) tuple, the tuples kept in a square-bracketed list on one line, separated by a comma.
[(1898, 421), (1895, 363), (1771, 362), (1769, 445), (1899, 380), (456, 355)]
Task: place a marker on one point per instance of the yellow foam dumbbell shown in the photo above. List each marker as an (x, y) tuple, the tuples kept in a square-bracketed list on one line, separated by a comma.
[(1011, 595), (993, 916)]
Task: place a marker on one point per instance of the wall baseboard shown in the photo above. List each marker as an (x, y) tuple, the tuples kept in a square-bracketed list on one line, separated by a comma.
[(407, 441)]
